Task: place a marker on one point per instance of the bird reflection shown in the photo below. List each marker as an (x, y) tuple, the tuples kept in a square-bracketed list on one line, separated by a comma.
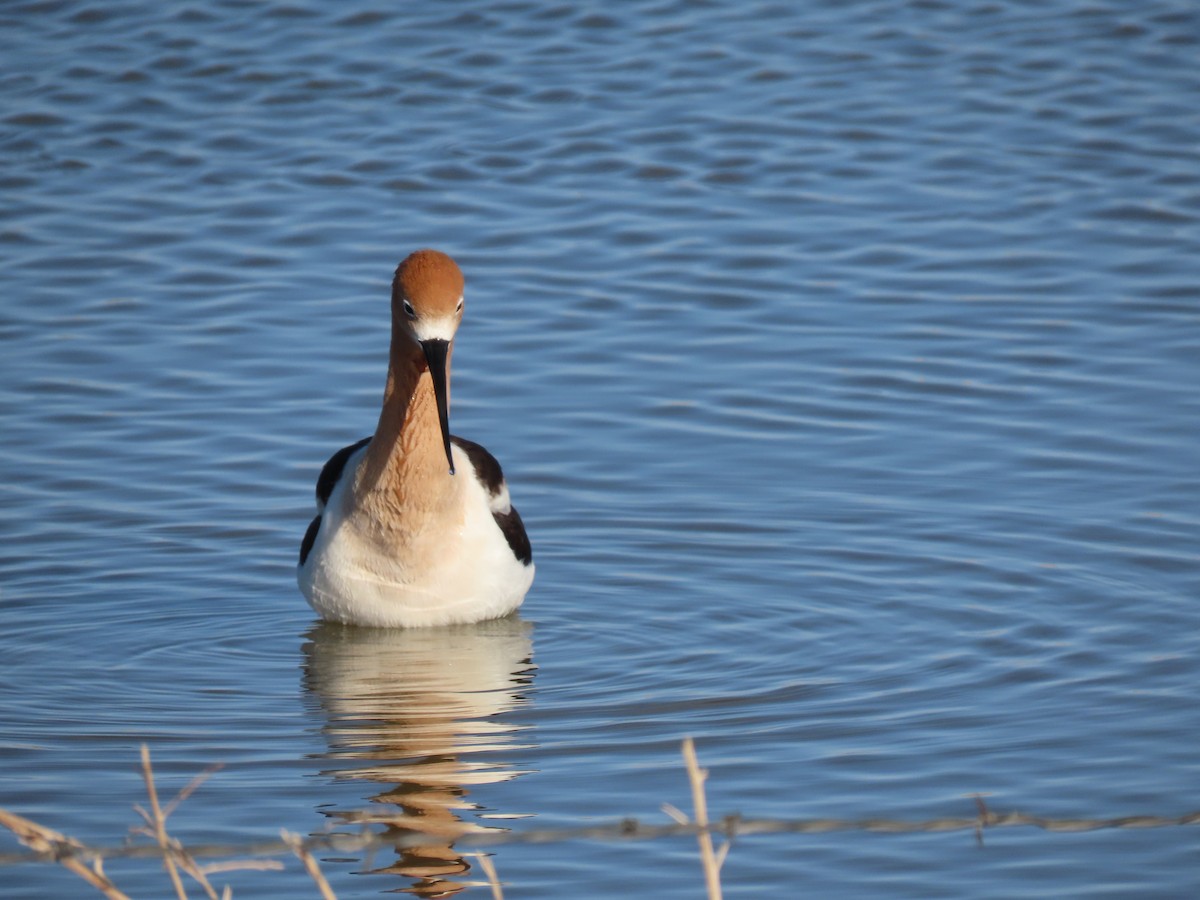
[(411, 710)]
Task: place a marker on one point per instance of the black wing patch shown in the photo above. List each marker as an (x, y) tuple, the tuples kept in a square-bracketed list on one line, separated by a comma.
[(333, 471), (514, 532), (310, 538), (488, 471)]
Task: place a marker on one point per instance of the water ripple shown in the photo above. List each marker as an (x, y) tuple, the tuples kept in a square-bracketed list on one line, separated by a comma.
[(842, 360)]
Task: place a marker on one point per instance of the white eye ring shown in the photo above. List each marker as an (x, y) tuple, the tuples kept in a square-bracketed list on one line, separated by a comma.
[(409, 311), (460, 305)]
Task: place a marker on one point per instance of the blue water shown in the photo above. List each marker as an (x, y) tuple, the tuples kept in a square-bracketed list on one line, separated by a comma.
[(843, 358)]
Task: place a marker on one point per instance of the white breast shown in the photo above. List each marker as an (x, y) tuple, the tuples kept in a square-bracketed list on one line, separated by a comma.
[(455, 569)]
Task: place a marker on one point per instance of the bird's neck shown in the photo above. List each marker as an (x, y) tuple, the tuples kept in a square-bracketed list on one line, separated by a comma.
[(405, 464)]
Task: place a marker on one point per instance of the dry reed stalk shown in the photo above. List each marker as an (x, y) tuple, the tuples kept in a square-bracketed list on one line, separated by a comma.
[(190, 788), (189, 865), (240, 865), (159, 823), (45, 840), (708, 857), (310, 863), (174, 853)]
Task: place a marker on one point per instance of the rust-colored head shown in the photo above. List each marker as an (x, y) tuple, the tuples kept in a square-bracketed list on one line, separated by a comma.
[(427, 304), (427, 295)]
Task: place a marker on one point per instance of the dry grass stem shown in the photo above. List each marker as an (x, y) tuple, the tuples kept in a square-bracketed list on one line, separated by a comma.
[(189, 865), (676, 813), (722, 852), (310, 864), (159, 823), (175, 857), (190, 788), (45, 840), (242, 865), (708, 856)]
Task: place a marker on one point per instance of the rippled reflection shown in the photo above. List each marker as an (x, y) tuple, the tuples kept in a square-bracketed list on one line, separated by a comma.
[(420, 713)]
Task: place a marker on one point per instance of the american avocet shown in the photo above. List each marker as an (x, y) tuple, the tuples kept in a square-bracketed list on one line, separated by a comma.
[(414, 526)]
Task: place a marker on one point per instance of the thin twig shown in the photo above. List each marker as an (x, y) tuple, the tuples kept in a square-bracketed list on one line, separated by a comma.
[(708, 857), (675, 813), (198, 872), (160, 825), (62, 848), (243, 865), (190, 788), (296, 843), (722, 852), (158, 816)]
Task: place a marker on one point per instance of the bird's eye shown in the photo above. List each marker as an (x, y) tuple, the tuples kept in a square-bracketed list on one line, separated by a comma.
[(409, 311), (458, 308)]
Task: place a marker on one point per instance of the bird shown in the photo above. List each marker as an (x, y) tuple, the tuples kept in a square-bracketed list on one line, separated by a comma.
[(414, 525)]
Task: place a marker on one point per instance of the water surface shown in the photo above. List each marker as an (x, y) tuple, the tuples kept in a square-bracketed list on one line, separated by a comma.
[(842, 358)]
